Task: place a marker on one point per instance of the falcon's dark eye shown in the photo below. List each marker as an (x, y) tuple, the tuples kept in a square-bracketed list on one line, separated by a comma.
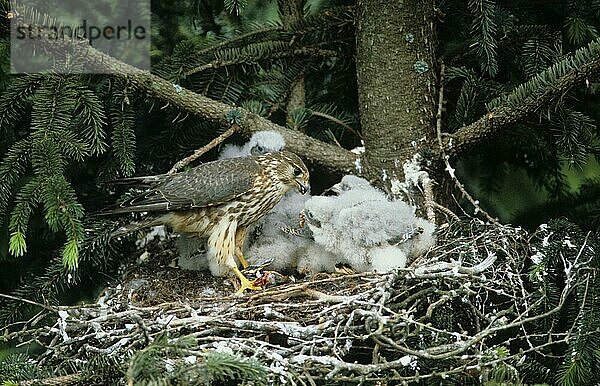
[(297, 172)]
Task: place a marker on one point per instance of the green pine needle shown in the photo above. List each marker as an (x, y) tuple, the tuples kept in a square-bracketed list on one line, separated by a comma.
[(12, 168), (17, 245), (123, 137), (235, 6), (224, 367), (578, 31), (70, 254), (90, 112), (483, 31)]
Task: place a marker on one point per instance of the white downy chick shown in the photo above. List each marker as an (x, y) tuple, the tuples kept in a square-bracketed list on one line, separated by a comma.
[(312, 258), (192, 253), (368, 231), (269, 240)]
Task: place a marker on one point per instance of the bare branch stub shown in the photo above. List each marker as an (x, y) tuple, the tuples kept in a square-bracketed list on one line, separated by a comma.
[(209, 146), (446, 158)]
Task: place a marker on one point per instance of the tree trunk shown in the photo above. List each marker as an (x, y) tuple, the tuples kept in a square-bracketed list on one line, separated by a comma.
[(292, 11), (396, 84)]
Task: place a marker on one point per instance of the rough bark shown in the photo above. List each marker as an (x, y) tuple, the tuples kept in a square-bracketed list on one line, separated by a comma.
[(395, 83), (296, 99), (292, 11)]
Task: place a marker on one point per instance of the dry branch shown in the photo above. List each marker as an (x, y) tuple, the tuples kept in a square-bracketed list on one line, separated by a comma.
[(446, 157), (199, 152)]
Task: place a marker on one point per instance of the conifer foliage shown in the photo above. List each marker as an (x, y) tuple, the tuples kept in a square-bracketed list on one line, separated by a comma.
[(67, 124), (516, 62), (521, 85)]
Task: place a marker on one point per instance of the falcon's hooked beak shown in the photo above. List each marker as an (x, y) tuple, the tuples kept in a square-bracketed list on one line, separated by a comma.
[(303, 187)]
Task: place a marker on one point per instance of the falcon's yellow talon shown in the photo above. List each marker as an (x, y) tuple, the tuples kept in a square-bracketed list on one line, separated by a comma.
[(245, 283), (243, 261)]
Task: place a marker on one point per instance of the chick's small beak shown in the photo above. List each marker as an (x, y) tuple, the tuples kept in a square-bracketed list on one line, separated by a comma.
[(303, 187)]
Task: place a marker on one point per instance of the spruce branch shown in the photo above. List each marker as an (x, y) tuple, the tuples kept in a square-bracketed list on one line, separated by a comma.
[(250, 36), (573, 131), (540, 51), (578, 31), (16, 98), (52, 145), (328, 156), (12, 168), (27, 199), (528, 98), (92, 118), (99, 252), (235, 6), (483, 30), (123, 135), (280, 51)]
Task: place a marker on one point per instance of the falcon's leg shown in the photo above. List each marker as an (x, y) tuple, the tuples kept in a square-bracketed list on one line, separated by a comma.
[(222, 245), (240, 236), (245, 283)]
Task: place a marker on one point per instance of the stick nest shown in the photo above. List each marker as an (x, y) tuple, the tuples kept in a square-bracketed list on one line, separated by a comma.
[(463, 311)]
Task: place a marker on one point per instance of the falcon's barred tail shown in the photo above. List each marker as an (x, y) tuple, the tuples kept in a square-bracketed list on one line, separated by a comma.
[(138, 181), (126, 229), (123, 208)]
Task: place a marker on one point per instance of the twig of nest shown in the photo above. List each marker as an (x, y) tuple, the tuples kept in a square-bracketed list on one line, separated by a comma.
[(456, 306)]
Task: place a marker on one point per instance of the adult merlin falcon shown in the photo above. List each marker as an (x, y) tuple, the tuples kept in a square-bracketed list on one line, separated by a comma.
[(219, 200)]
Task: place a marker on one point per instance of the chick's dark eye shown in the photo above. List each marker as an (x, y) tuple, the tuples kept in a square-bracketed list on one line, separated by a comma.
[(257, 150), (297, 172)]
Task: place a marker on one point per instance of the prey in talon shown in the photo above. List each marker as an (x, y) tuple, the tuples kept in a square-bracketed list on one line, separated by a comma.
[(265, 277)]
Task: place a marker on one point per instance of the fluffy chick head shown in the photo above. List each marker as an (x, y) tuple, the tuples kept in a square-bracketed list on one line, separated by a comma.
[(264, 142), (261, 142), (350, 182)]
